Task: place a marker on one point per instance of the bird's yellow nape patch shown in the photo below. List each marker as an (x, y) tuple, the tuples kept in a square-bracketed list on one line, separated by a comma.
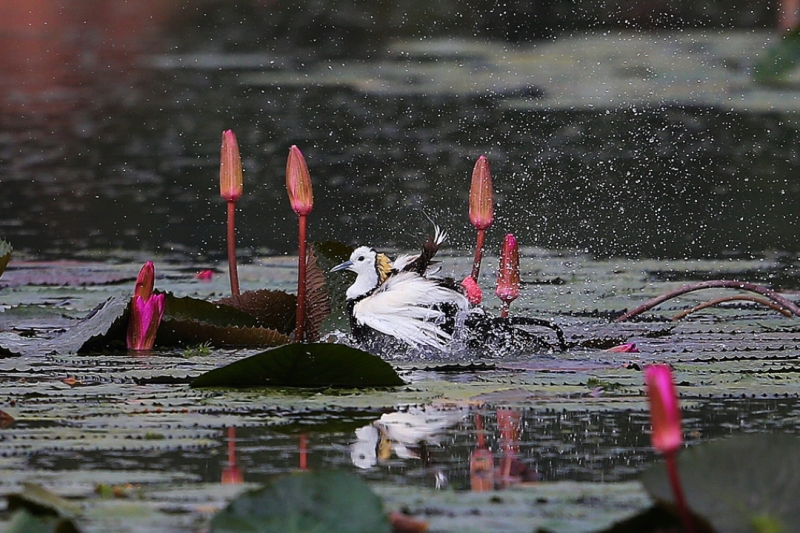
[(384, 267)]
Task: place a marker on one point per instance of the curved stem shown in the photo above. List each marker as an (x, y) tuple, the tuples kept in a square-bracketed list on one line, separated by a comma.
[(717, 283), (234, 273), (747, 297), (530, 321), (677, 491), (476, 263), (299, 328)]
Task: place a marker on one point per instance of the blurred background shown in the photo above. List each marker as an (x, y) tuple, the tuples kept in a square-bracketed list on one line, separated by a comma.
[(660, 128)]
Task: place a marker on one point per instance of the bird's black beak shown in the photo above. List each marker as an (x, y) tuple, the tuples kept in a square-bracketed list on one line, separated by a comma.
[(343, 266)]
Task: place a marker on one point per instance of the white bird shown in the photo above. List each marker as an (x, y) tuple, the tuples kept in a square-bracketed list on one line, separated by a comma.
[(399, 300)]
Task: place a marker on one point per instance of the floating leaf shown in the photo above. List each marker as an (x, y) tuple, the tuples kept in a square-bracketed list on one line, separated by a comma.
[(214, 314), (24, 522), (323, 502), (318, 299), (304, 365), (40, 501), (738, 483), (5, 255), (271, 309), (779, 59), (184, 332)]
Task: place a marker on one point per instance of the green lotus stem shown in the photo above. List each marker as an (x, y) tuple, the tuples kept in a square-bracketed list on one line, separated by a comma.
[(718, 283), (232, 248)]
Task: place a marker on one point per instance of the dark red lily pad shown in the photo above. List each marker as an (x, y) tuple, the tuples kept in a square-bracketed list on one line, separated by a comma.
[(271, 309), (304, 365), (187, 332)]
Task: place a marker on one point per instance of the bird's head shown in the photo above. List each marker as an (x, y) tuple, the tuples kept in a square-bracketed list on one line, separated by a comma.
[(371, 270)]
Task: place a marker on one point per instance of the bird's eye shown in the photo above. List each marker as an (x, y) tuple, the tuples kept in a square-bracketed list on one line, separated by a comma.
[(360, 258)]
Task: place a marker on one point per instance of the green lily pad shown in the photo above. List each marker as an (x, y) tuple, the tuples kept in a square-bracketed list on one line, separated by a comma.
[(743, 484), (40, 501), (25, 522), (189, 309), (322, 502), (779, 59), (5, 255), (304, 365)]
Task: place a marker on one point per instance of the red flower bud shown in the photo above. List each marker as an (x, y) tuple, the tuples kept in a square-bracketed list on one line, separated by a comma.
[(298, 182), (145, 281), (230, 168), (665, 413), (481, 208), (508, 273)]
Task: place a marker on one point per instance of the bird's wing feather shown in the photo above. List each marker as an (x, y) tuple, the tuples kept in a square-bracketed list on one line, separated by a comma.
[(401, 308)]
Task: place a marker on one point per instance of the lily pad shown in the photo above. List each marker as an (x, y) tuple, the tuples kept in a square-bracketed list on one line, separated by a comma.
[(742, 484), (25, 522), (184, 332), (214, 314), (304, 365), (5, 255), (323, 502), (271, 309)]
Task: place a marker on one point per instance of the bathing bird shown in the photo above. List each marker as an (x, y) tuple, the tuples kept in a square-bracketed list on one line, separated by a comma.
[(401, 298)]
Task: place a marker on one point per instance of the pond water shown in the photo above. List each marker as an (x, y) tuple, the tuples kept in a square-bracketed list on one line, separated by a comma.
[(627, 163)]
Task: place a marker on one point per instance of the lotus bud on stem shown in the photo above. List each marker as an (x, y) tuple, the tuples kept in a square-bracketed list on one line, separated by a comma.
[(298, 184), (481, 208), (508, 274), (147, 309), (667, 436), (230, 188)]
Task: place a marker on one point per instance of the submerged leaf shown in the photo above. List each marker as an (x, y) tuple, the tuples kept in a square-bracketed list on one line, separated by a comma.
[(323, 502), (738, 482), (304, 365), (271, 309)]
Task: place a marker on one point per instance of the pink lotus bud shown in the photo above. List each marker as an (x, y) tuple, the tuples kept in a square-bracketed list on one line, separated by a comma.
[(665, 414), (145, 281), (230, 168), (629, 347), (508, 273), (143, 322), (472, 291), (204, 275), (298, 182), (481, 208)]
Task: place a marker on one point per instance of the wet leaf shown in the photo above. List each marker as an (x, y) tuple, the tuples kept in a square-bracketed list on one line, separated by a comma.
[(5, 255), (304, 365), (187, 309), (738, 482), (318, 299), (271, 309), (40, 501), (24, 522), (323, 502), (5, 420), (184, 332)]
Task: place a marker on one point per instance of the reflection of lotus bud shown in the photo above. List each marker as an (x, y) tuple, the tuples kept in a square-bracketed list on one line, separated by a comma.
[(665, 414), (481, 208), (230, 168), (508, 273), (298, 182)]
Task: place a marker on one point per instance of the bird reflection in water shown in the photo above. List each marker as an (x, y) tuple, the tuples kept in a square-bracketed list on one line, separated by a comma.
[(410, 434)]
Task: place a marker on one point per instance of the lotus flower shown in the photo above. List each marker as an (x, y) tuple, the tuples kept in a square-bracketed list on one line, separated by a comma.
[(508, 273), (147, 309), (667, 436), (230, 188), (481, 208), (298, 184), (230, 168)]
